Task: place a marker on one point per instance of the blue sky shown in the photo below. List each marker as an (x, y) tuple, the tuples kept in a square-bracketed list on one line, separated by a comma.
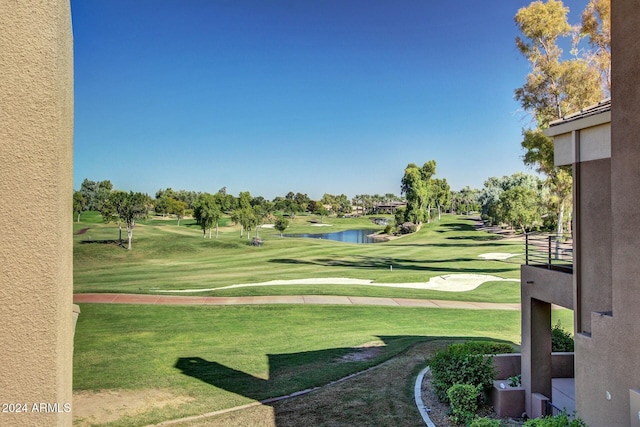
[(272, 96)]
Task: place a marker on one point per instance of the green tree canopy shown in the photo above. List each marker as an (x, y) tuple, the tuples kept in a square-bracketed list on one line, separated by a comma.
[(126, 208)]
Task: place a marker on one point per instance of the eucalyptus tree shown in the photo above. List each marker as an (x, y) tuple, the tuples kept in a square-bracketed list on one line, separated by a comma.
[(557, 86), (206, 213), (95, 193), (414, 189), (420, 190), (79, 204), (441, 194), (520, 208)]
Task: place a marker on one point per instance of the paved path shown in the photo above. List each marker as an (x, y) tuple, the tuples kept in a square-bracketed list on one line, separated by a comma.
[(287, 299)]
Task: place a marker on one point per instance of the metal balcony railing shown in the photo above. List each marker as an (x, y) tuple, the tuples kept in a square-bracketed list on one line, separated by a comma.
[(551, 251)]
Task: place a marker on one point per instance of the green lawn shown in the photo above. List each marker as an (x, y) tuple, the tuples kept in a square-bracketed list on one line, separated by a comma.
[(213, 358), (222, 357), (166, 256)]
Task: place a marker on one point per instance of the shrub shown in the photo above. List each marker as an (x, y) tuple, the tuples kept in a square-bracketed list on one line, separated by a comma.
[(561, 420), (485, 422), (561, 340), (389, 229), (487, 347), (515, 381), (464, 402), (458, 364), (407, 228)]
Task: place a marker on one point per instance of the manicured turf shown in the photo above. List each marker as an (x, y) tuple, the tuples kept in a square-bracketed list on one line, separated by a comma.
[(220, 357), (227, 356), (166, 256)]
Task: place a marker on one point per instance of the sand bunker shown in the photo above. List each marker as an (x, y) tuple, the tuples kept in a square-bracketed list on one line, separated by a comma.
[(446, 283), (497, 256), (321, 225)]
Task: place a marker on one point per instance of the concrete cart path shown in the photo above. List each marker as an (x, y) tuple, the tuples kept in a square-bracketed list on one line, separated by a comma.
[(101, 298)]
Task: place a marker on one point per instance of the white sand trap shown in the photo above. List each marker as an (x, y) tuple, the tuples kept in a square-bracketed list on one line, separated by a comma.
[(446, 283), (497, 255), (321, 225), (267, 226)]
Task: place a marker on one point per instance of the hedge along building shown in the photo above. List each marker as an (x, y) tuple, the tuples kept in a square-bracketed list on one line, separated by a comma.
[(602, 143)]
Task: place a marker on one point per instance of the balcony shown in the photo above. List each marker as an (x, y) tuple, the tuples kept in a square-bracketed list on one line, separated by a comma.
[(550, 251)]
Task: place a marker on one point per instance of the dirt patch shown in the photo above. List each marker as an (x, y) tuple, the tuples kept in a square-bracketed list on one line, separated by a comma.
[(90, 408), (82, 231), (364, 352)]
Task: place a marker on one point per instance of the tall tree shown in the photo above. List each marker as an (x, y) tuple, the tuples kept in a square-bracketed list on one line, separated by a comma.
[(206, 212), (520, 208), (177, 208), (126, 208), (554, 87), (281, 224), (441, 194), (419, 188), (596, 26), (79, 204), (414, 189)]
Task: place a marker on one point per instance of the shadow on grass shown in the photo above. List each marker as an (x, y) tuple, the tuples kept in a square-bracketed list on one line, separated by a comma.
[(298, 373), (477, 238), (114, 242), (383, 263)]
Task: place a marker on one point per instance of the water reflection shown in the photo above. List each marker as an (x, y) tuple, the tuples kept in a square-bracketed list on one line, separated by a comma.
[(347, 236)]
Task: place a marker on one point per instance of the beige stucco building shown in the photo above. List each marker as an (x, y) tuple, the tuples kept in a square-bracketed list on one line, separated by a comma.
[(602, 144), (36, 140)]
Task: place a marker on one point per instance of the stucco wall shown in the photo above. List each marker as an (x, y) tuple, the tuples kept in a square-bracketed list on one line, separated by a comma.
[(608, 362), (36, 137), (594, 242)]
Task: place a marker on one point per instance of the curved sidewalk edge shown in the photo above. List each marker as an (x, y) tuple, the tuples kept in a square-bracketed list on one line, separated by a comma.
[(104, 298), (417, 394)]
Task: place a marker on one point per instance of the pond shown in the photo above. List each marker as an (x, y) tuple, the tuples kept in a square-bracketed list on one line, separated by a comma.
[(347, 236)]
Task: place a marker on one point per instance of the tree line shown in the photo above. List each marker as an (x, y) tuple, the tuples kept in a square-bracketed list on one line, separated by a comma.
[(207, 209)]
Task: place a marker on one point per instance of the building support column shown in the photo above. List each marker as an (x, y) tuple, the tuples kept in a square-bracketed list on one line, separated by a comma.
[(536, 349)]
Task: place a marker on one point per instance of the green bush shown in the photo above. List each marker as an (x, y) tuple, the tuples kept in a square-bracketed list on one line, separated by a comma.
[(561, 340), (464, 402), (487, 347), (561, 420), (485, 422), (389, 229), (458, 364)]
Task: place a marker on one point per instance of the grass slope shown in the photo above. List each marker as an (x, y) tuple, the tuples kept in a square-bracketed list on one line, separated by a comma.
[(166, 256)]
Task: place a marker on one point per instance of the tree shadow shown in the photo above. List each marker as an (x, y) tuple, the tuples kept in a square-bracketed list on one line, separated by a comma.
[(286, 371), (115, 242), (384, 263), (477, 238)]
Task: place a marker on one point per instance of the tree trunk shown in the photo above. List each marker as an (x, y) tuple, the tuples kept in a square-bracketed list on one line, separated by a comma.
[(210, 232), (560, 229), (120, 232), (560, 220), (79, 216), (216, 229), (204, 232), (130, 236), (178, 221)]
